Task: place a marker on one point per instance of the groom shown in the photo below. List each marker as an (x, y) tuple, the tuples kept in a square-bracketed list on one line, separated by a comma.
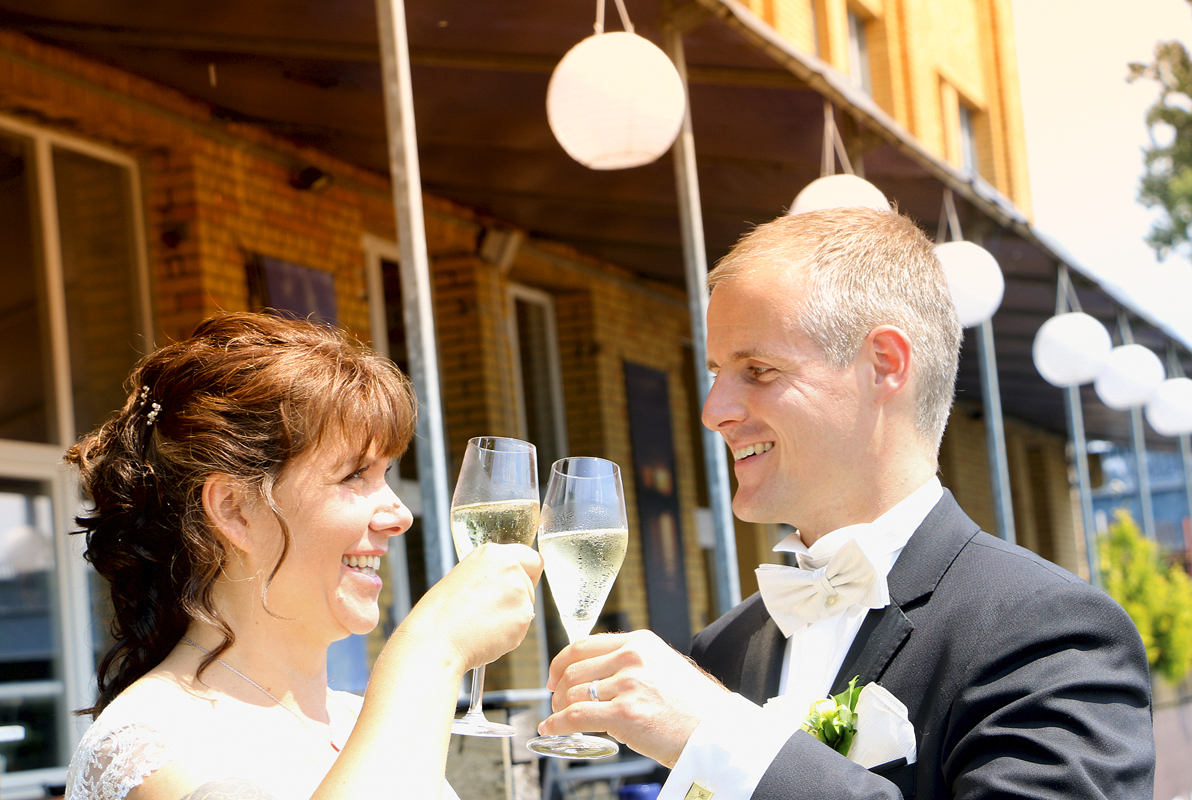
[(835, 345)]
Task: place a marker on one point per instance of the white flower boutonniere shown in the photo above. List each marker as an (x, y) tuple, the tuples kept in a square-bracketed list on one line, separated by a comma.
[(834, 720), (867, 725)]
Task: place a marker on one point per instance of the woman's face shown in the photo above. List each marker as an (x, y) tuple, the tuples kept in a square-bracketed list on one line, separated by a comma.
[(341, 513)]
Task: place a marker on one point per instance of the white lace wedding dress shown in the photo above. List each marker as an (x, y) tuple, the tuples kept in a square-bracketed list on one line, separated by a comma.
[(139, 733)]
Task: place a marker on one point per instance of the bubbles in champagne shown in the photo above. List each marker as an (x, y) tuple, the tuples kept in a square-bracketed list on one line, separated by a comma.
[(581, 567), (502, 522)]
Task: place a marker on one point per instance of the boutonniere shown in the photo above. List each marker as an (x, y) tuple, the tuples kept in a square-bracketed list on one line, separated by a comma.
[(833, 720), (865, 724)]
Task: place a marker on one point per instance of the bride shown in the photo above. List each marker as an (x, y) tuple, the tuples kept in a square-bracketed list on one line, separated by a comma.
[(239, 513)]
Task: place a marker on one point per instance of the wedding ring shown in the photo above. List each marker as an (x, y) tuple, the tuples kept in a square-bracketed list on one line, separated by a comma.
[(592, 692)]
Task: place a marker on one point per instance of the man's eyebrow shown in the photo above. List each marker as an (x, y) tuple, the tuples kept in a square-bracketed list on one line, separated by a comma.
[(742, 355)]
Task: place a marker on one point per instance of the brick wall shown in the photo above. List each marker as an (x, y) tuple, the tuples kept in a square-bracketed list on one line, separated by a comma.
[(1040, 490)]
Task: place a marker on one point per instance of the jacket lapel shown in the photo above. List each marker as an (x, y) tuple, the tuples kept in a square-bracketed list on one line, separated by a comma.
[(763, 662), (927, 555)]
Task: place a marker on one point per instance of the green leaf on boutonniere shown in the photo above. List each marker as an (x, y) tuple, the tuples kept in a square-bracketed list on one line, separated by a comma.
[(834, 720)]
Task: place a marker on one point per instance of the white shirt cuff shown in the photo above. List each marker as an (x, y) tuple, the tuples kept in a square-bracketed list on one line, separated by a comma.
[(730, 751)]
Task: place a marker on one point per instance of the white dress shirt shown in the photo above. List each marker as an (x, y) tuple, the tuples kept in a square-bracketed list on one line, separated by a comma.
[(735, 743)]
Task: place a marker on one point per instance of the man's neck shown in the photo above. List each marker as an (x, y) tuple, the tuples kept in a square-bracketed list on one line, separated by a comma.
[(873, 502)]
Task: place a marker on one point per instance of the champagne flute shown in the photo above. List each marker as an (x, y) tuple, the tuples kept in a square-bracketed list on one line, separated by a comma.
[(495, 500), (583, 537)]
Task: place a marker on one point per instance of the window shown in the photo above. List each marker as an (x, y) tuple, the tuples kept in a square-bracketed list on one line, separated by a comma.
[(858, 54), (75, 314), (539, 382), (968, 141)]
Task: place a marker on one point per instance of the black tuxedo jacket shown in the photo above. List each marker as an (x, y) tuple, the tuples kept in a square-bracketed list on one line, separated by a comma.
[(1020, 679)]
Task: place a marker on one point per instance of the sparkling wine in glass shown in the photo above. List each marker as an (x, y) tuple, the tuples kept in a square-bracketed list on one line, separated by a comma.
[(496, 500), (583, 536)]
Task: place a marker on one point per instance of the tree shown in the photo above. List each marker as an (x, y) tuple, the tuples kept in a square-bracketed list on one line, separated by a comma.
[(1157, 596), (1167, 182)]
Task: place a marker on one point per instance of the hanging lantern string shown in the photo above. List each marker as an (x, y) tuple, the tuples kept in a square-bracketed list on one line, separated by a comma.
[(620, 9), (950, 219), (1066, 298), (833, 145)]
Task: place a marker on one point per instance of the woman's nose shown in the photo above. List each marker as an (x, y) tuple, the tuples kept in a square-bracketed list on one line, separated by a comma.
[(392, 517)]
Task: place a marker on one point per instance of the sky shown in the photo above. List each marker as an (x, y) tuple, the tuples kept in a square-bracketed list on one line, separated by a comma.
[(1085, 131)]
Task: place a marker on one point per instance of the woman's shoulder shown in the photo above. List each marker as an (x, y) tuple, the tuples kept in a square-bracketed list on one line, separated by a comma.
[(132, 738)]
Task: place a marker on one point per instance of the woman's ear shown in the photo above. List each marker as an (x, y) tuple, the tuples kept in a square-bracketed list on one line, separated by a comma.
[(227, 503)]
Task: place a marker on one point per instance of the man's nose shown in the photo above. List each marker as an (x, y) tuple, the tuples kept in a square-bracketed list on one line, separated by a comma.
[(722, 407)]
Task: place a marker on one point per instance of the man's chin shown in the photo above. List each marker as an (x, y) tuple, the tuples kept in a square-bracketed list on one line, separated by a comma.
[(749, 509)]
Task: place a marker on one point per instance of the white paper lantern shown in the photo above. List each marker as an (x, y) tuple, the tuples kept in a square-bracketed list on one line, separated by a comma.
[(839, 191), (974, 280), (615, 101), (1169, 410), (1070, 349), (1128, 377)]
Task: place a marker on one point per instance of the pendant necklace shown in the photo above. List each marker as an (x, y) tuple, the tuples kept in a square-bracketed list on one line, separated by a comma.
[(266, 692)]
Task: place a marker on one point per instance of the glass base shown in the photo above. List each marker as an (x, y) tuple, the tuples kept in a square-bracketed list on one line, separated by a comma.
[(476, 724), (575, 745)]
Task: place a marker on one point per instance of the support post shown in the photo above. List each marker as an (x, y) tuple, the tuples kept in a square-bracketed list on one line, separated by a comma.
[(1084, 488), (1186, 452), (695, 262), (417, 311), (1138, 444), (995, 434), (1145, 501)]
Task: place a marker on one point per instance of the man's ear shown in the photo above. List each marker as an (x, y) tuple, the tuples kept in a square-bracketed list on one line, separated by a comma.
[(226, 501), (889, 352)]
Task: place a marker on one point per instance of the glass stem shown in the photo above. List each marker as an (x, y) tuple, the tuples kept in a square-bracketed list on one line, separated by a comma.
[(474, 705)]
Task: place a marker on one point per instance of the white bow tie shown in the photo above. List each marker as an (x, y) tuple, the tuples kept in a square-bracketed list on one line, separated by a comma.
[(796, 596)]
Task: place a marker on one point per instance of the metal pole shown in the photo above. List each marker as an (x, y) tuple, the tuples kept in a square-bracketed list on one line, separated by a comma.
[(995, 433), (728, 582), (417, 312), (1065, 296), (1138, 442), (1186, 451), (1072, 404)]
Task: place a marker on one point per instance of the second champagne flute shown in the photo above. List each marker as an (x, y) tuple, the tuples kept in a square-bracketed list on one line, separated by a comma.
[(583, 539), (495, 500)]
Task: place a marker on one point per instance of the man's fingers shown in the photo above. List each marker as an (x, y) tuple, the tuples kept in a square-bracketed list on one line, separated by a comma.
[(583, 650)]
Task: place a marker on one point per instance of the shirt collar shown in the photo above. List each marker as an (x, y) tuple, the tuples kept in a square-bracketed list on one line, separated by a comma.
[(880, 539)]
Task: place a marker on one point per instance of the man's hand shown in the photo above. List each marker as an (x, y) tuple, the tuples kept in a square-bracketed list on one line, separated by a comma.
[(651, 697)]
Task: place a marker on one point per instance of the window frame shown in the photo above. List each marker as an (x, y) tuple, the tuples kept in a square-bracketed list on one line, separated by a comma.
[(42, 462), (519, 292)]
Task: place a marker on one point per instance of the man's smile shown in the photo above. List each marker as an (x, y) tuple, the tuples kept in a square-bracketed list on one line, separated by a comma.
[(752, 449)]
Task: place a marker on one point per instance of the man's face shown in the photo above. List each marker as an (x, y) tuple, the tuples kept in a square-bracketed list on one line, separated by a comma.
[(799, 430)]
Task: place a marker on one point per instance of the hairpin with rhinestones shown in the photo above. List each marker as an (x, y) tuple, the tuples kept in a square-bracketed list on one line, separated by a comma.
[(154, 407)]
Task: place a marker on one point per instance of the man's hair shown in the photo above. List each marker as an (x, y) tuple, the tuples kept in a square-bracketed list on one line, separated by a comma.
[(864, 268)]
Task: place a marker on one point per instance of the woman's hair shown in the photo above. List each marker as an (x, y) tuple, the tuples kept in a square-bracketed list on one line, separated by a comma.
[(245, 396)]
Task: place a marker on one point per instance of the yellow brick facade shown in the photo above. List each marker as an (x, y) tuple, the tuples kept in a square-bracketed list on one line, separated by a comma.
[(925, 58)]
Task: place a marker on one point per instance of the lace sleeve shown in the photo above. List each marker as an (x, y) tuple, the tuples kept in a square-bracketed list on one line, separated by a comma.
[(109, 763)]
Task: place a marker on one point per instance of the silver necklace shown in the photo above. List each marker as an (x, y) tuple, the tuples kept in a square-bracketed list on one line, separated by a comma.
[(266, 692)]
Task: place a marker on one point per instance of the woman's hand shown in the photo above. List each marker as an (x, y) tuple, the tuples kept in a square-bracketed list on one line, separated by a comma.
[(482, 608)]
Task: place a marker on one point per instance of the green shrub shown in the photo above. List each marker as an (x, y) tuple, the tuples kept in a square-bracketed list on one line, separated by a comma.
[(1156, 595)]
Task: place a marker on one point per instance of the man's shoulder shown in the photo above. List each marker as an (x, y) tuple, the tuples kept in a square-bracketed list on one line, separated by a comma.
[(987, 559)]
